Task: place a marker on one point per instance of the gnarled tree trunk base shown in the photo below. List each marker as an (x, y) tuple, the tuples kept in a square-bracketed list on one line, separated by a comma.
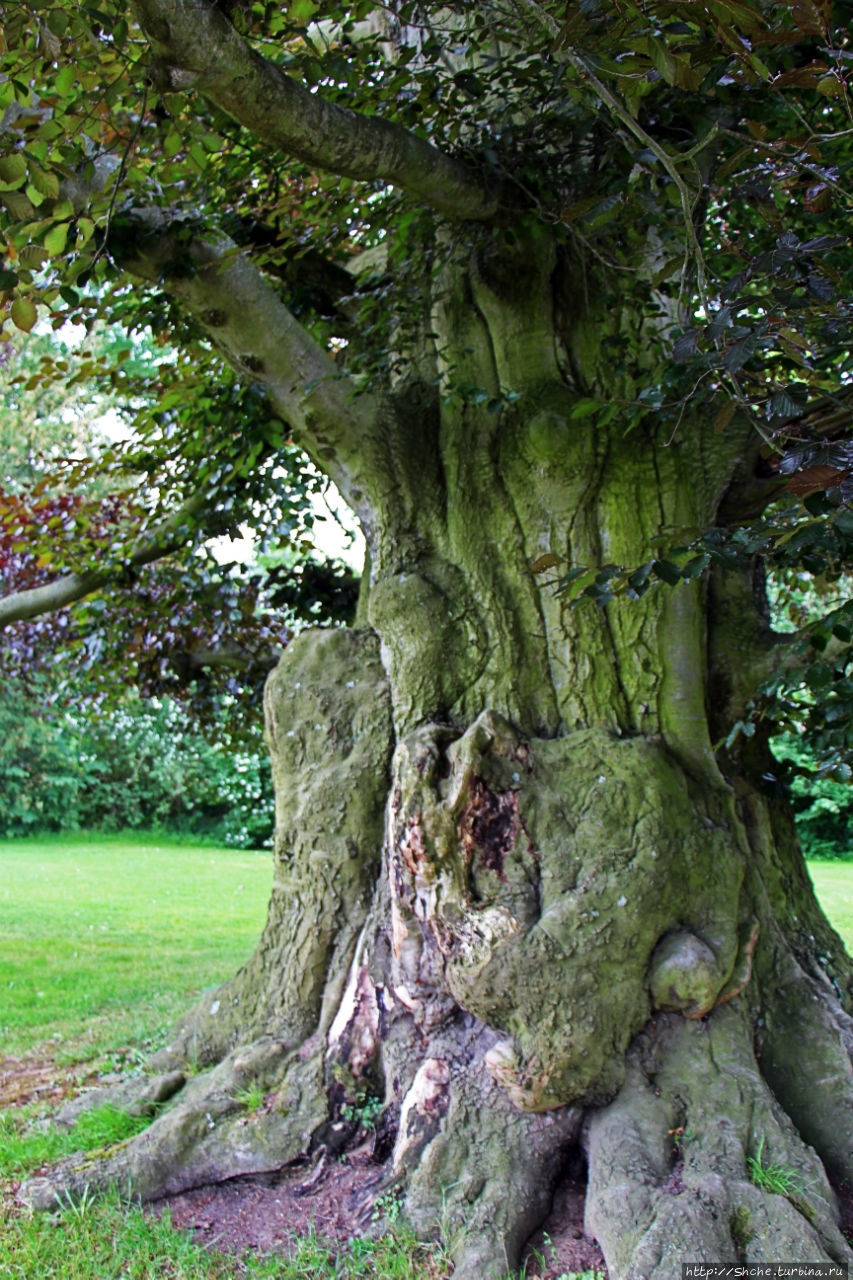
[(677, 1160), (500, 944)]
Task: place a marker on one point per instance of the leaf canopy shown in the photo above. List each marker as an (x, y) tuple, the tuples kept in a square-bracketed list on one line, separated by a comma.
[(697, 156)]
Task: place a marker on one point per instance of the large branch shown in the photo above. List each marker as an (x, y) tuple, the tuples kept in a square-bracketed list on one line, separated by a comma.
[(198, 47), (165, 538), (264, 343)]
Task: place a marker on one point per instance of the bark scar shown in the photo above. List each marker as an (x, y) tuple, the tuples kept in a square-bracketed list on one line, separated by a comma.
[(489, 827)]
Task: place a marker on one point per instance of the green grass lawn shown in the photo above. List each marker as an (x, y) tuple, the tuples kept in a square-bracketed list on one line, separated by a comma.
[(105, 940), (833, 882)]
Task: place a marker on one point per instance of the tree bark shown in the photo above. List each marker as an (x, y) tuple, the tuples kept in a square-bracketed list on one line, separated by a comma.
[(196, 46), (519, 897)]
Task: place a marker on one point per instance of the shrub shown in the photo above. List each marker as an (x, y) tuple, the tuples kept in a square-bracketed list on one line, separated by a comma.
[(823, 807), (135, 767)]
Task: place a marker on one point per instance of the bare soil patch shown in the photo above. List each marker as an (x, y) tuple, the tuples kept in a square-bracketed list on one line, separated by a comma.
[(334, 1198), (265, 1214), (34, 1079), (561, 1241)]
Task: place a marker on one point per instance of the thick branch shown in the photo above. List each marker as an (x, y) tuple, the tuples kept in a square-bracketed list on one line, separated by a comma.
[(189, 664), (24, 605), (263, 342), (201, 49), (161, 541)]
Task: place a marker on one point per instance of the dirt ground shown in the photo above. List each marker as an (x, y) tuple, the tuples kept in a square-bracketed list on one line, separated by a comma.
[(265, 1213), (33, 1079), (334, 1197)]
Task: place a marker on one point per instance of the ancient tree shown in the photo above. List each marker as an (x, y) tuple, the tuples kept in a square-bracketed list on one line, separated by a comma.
[(478, 260)]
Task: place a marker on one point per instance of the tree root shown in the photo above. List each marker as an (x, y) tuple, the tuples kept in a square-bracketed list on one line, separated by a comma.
[(254, 1112), (805, 1042), (484, 1182), (683, 1162)]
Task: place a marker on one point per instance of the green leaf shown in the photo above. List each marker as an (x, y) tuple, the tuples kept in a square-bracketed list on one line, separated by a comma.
[(56, 239), (639, 576), (13, 168), (667, 571), (695, 567), (199, 155), (45, 182), (572, 575), (65, 79), (24, 314), (584, 408)]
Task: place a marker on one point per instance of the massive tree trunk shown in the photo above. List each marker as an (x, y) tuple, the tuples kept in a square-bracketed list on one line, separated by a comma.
[(518, 896)]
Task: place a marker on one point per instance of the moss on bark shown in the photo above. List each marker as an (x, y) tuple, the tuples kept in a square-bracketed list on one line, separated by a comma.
[(514, 884)]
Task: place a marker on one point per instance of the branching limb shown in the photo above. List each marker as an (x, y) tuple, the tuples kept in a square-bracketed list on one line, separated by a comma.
[(264, 343), (165, 538), (198, 48)]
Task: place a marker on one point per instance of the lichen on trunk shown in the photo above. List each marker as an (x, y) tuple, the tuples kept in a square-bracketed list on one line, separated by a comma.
[(519, 899)]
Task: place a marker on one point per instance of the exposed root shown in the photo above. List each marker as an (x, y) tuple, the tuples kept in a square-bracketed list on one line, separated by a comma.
[(675, 1160), (254, 1112), (139, 1096), (485, 1181), (805, 1042), (469, 1166)]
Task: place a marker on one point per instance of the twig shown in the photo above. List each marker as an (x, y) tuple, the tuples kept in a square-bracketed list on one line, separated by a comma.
[(119, 178)]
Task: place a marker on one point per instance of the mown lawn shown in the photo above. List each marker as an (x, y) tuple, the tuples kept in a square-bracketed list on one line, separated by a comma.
[(105, 940), (833, 882)]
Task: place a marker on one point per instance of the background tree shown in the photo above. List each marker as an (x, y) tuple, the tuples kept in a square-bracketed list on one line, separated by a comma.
[(549, 294)]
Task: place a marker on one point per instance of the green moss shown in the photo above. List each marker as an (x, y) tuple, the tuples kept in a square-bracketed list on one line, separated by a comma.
[(550, 902), (741, 1228)]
